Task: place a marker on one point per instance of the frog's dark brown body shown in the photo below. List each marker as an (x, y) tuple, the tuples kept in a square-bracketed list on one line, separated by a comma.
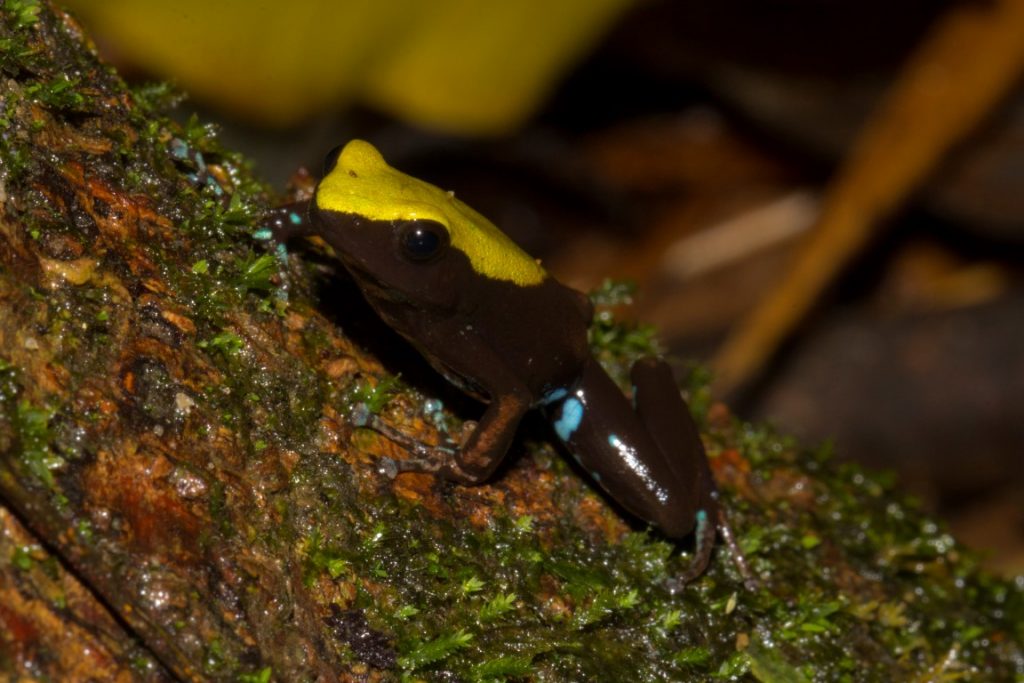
[(520, 346)]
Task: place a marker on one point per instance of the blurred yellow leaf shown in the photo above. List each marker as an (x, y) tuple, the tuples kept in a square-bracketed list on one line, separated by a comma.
[(457, 65)]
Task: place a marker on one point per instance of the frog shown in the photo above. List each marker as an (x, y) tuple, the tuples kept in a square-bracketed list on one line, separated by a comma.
[(492, 321)]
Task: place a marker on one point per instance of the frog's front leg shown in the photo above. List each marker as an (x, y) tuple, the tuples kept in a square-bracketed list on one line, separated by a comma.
[(282, 223), (475, 460), (478, 457), (279, 225)]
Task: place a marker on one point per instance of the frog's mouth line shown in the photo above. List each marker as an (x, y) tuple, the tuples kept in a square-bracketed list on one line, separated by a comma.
[(372, 285)]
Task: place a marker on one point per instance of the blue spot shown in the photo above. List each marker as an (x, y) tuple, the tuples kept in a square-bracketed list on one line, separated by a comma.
[(282, 253), (432, 405), (360, 415), (295, 218), (569, 420), (596, 476), (179, 149), (263, 234), (702, 523), (199, 159), (614, 441), (554, 395)]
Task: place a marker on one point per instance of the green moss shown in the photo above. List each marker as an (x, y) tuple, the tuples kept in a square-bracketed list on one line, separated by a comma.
[(615, 344), (322, 560), (422, 654), (264, 675), (21, 14), (228, 344), (255, 273), (33, 431), (496, 607), (374, 395), (62, 93), (16, 17), (22, 558), (502, 668)]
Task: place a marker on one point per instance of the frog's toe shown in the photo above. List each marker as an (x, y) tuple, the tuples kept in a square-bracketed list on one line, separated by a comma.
[(388, 467), (360, 415)]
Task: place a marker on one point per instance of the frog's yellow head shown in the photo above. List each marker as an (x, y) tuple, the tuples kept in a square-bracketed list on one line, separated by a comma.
[(361, 183)]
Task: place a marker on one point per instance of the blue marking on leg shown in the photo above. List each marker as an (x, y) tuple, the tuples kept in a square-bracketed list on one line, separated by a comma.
[(569, 419), (263, 234), (702, 524), (295, 218), (282, 253), (179, 149), (554, 395)]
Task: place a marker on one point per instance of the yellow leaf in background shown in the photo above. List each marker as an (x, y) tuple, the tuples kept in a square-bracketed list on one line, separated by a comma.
[(462, 66)]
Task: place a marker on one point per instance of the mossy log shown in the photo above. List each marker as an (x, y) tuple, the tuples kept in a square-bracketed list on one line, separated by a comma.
[(184, 497)]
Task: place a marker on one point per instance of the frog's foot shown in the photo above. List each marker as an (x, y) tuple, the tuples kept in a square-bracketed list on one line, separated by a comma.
[(426, 458), (739, 560), (281, 223), (392, 467), (440, 462), (277, 226), (704, 545), (388, 467), (361, 416), (705, 535)]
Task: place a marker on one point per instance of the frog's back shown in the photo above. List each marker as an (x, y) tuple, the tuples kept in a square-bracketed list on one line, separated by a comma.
[(540, 330)]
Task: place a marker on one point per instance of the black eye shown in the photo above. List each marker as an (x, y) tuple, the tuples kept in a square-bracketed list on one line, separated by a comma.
[(422, 240), (332, 158)]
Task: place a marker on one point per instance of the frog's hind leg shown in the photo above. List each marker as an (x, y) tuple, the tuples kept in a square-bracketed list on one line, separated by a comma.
[(667, 419)]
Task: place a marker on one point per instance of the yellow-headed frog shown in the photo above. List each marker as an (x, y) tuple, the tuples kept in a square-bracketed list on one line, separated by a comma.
[(491, 320)]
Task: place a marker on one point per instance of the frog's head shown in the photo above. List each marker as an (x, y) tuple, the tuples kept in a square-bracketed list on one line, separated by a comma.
[(407, 234)]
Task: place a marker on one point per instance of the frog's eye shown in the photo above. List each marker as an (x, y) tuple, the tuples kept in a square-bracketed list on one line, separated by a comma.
[(332, 158), (421, 240)]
